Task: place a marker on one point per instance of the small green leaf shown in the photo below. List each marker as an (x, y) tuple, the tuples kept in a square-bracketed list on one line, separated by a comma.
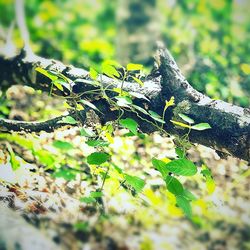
[(96, 194), (201, 126), (119, 170), (81, 226), (161, 167), (60, 84), (182, 167), (113, 63), (63, 145), (44, 157), (173, 185), (130, 124), (110, 70), (66, 174), (68, 120), (138, 95), (135, 182), (180, 152), (142, 110), (89, 104), (188, 195), (181, 124), (28, 144), (93, 73), (184, 204), (206, 172), (138, 81), (169, 103), (87, 132), (186, 118), (50, 75), (132, 67), (123, 101), (15, 164), (97, 158), (119, 90), (97, 143), (210, 185), (87, 199), (155, 116)]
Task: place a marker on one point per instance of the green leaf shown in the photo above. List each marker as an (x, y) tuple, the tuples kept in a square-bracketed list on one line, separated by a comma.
[(169, 103), (93, 73), (119, 170), (201, 126), (44, 157), (123, 101), (15, 164), (87, 132), (210, 184), (50, 75), (173, 185), (60, 84), (113, 63), (155, 116), (88, 199), (181, 124), (184, 204), (160, 166), (138, 81), (97, 158), (135, 182), (96, 194), (180, 152), (142, 110), (132, 66), (109, 70), (182, 167), (65, 174), (28, 144), (138, 95), (89, 104), (130, 124), (68, 120), (206, 172), (63, 145), (188, 195), (119, 90), (97, 143), (186, 118), (81, 226)]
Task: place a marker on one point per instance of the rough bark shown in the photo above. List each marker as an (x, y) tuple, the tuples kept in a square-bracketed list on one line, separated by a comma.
[(230, 132), (47, 126)]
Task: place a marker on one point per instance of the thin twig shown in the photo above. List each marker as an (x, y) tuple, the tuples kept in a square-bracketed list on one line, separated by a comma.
[(7, 125)]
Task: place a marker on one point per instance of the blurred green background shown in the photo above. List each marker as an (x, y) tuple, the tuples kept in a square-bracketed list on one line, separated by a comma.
[(208, 38), (210, 42)]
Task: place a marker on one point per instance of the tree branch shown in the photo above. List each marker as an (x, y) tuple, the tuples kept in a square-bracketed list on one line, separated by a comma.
[(7, 125), (230, 124)]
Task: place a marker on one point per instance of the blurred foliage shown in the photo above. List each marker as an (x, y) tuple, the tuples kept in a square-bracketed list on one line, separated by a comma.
[(209, 39)]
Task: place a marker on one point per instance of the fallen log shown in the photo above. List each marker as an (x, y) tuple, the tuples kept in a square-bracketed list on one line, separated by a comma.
[(230, 124)]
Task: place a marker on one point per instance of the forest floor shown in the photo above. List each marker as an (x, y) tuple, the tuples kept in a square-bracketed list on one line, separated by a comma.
[(58, 203)]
